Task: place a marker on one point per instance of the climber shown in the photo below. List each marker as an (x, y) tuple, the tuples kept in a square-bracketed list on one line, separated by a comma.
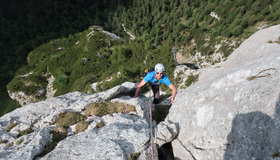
[(154, 79)]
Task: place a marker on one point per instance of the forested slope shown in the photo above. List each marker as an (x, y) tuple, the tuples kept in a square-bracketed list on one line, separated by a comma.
[(26, 24), (84, 58), (185, 25), (176, 22)]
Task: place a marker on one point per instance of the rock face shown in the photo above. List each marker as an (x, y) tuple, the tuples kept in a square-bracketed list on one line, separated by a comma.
[(40, 93), (165, 132), (22, 98), (50, 90), (183, 72), (122, 135), (31, 147), (233, 111)]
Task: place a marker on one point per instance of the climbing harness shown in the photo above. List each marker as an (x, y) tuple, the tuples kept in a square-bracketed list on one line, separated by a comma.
[(151, 124), (158, 82)]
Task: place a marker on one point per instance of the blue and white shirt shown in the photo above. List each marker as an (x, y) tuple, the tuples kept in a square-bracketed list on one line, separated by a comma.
[(150, 78)]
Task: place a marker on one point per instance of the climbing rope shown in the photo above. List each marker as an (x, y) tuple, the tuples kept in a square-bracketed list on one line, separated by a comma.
[(151, 124)]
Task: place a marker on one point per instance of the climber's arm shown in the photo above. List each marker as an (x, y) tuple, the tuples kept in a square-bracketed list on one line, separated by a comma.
[(174, 92), (141, 84)]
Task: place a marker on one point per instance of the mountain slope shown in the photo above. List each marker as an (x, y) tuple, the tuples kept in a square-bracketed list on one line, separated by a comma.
[(82, 59)]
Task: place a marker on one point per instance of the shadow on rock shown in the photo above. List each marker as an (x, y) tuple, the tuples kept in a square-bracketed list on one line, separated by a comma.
[(254, 135), (127, 147), (191, 65)]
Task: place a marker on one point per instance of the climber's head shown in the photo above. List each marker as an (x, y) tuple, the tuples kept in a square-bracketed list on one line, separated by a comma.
[(159, 69)]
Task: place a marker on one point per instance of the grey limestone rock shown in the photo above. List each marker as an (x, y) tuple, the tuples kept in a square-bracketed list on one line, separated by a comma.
[(85, 60), (233, 111), (60, 48), (165, 132), (40, 93), (122, 135), (147, 154), (29, 151), (22, 97)]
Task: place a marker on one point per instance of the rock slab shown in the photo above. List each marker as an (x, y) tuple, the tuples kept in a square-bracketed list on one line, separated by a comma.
[(233, 111), (122, 135)]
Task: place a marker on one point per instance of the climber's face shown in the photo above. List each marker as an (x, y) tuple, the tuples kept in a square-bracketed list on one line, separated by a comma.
[(159, 75)]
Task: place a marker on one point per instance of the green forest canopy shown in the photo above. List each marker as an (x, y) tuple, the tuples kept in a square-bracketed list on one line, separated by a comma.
[(105, 57), (25, 25)]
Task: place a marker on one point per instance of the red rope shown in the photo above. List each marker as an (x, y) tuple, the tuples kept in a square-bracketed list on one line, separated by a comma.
[(151, 124)]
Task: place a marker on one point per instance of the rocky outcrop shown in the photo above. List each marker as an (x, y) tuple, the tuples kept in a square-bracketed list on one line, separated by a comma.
[(60, 48), (40, 93), (165, 132), (213, 14), (232, 112), (50, 90), (22, 98), (183, 72), (99, 28), (122, 135), (31, 147)]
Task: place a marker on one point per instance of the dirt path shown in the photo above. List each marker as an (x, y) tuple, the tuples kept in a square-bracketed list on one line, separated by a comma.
[(131, 36)]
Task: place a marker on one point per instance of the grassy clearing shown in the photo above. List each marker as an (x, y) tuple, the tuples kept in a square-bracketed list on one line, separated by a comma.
[(3, 141), (18, 142), (69, 118), (64, 121), (81, 127), (270, 41), (100, 124), (251, 78), (101, 109), (134, 156), (10, 126), (25, 132)]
